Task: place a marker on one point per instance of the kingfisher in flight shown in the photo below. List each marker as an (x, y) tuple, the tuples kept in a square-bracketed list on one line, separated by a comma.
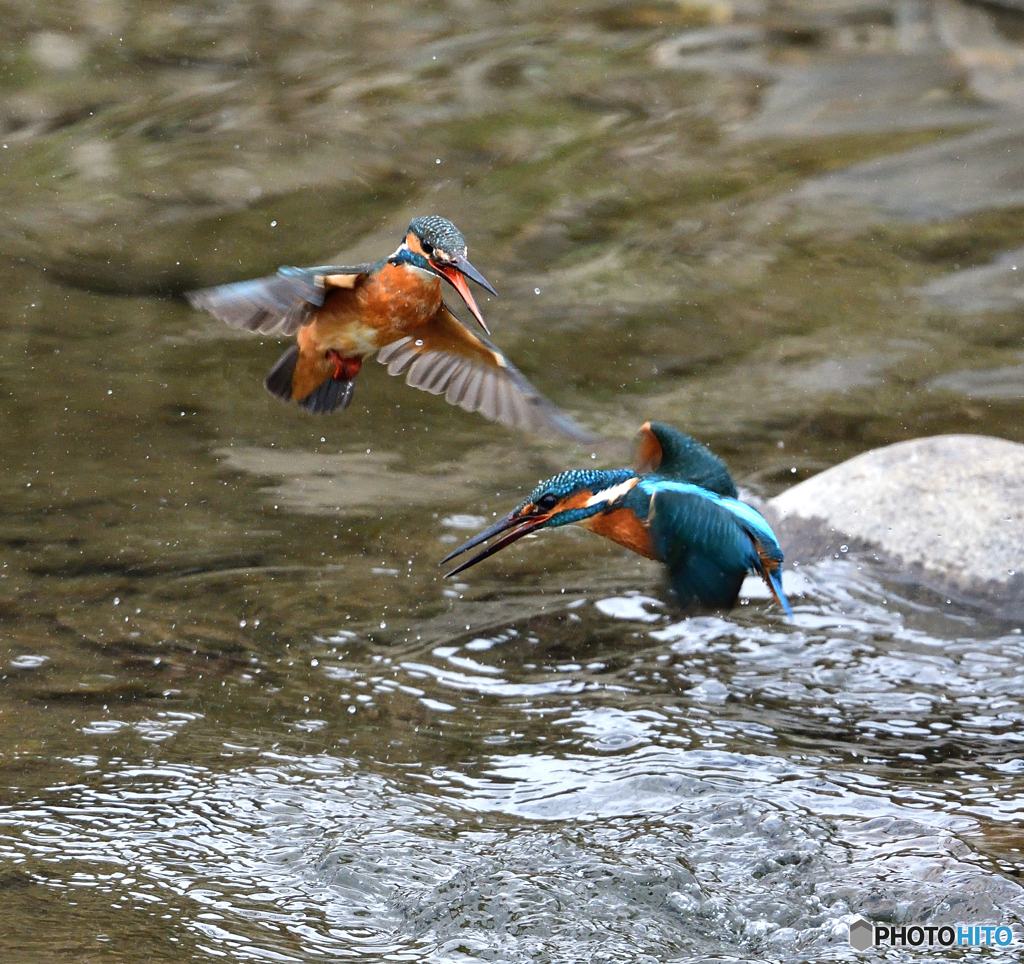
[(343, 314), (678, 505)]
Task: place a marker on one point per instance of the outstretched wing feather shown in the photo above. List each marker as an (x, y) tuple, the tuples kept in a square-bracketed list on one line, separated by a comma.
[(279, 304), (446, 357)]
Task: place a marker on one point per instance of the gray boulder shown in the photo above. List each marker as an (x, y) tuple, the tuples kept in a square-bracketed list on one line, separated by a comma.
[(946, 511)]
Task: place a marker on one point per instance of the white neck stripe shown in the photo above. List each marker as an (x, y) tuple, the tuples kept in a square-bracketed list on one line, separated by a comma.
[(610, 495)]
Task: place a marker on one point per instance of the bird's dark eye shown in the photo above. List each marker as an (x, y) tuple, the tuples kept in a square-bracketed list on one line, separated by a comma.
[(427, 247), (547, 501)]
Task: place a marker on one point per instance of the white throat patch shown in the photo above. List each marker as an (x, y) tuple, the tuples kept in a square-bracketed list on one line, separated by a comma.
[(606, 496)]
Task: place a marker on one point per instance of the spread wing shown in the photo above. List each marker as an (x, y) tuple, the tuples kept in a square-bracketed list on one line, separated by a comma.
[(444, 356), (279, 304)]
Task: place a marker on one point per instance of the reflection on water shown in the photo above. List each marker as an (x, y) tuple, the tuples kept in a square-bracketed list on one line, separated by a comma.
[(242, 714)]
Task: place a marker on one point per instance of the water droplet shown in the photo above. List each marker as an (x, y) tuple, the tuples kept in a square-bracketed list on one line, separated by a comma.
[(314, 662), (241, 623), (844, 548), (536, 291), (273, 224), (438, 161), (419, 342), (383, 625), (793, 470)]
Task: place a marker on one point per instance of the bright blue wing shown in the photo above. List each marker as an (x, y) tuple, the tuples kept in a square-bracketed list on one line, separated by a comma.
[(710, 542), (769, 552), (707, 553)]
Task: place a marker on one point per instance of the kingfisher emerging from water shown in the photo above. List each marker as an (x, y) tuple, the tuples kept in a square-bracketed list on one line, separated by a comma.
[(395, 308), (678, 505)]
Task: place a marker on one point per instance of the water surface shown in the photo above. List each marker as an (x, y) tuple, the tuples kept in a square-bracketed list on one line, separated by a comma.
[(244, 715)]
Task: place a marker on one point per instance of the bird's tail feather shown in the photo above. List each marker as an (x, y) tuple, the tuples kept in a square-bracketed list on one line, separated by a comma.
[(310, 381), (279, 380), (333, 394), (774, 579)]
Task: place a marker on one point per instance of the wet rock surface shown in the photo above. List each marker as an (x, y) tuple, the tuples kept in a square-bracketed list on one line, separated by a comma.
[(945, 510)]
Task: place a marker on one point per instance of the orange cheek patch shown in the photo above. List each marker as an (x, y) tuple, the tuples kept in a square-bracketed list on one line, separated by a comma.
[(413, 244), (577, 500), (622, 526)]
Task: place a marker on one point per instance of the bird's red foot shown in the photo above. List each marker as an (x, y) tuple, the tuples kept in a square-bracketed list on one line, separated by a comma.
[(345, 369)]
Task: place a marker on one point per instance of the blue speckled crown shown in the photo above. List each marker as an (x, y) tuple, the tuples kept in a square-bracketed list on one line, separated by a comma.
[(437, 232), (566, 483)]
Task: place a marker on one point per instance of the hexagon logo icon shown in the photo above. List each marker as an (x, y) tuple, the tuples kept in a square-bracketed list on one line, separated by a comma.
[(861, 934)]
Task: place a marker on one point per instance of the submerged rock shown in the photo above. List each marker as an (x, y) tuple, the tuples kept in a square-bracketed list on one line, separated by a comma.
[(998, 286), (946, 511), (980, 171)]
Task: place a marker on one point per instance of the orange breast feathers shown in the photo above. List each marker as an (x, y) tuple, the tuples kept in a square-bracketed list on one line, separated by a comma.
[(398, 299), (622, 526), (388, 305)]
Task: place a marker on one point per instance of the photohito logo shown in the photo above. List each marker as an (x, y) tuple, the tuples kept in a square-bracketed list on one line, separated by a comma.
[(864, 934)]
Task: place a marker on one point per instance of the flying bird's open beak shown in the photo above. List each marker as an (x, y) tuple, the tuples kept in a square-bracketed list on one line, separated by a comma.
[(514, 527), (455, 273)]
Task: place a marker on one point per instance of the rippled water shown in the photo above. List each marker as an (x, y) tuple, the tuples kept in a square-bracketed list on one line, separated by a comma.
[(241, 714), (591, 779)]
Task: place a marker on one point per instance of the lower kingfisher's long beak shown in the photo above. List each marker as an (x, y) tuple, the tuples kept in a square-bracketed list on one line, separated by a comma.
[(456, 274), (515, 528)]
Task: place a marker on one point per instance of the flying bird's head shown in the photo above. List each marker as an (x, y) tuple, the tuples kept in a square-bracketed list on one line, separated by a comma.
[(436, 245)]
